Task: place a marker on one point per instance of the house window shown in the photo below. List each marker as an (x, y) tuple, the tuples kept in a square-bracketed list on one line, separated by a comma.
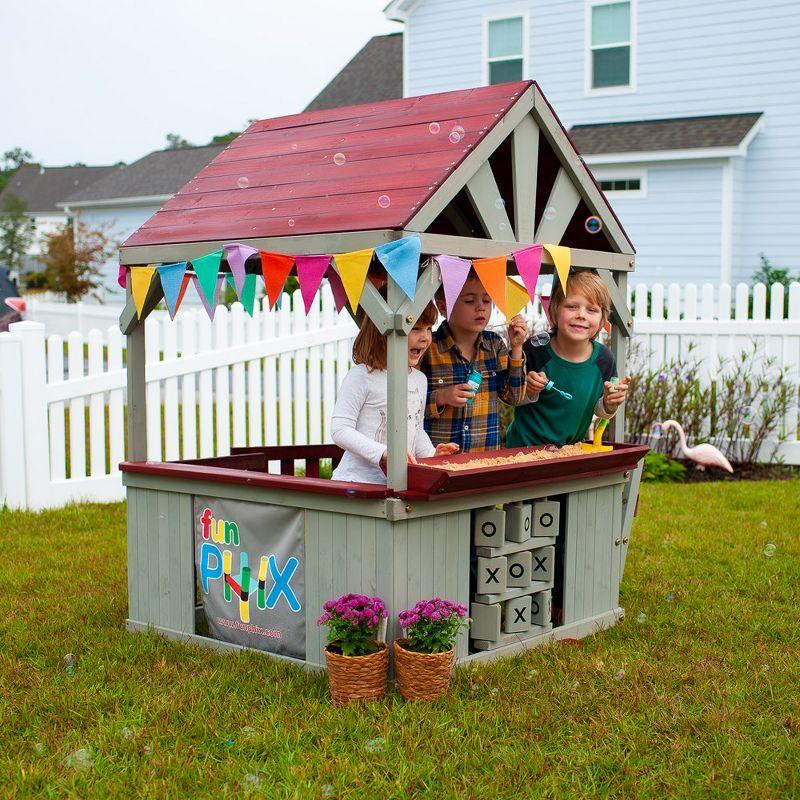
[(621, 185), (610, 44), (505, 49)]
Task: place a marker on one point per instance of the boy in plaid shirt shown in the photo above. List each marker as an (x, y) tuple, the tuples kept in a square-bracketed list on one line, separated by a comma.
[(460, 345)]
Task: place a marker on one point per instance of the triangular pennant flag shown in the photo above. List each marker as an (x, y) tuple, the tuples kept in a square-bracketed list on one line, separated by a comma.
[(516, 298), (310, 270), (401, 259), (454, 275), (211, 306), (140, 283), (529, 264), (545, 301), (353, 269), (207, 270), (171, 276), (247, 296), (492, 274), (562, 258), (122, 274), (275, 268), (337, 288), (184, 285), (236, 254)]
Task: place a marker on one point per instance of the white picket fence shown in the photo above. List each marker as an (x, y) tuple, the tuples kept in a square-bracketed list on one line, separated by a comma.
[(272, 379)]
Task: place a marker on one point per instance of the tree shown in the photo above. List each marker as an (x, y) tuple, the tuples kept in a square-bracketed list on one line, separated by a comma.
[(769, 275), (176, 142), (12, 160), (225, 138), (16, 233), (73, 257)]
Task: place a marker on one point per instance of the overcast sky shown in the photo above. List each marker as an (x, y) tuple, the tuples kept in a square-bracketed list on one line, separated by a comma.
[(99, 82)]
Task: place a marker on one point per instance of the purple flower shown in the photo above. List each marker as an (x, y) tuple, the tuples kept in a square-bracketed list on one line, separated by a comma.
[(661, 378)]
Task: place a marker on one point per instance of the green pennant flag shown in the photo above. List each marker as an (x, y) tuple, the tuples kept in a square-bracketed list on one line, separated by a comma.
[(248, 296), (207, 268)]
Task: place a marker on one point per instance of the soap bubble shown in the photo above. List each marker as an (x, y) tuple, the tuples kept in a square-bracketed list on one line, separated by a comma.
[(384, 201), (374, 745), (763, 523), (350, 492), (434, 127), (328, 790), (39, 747), (339, 159), (620, 675), (229, 742), (69, 663), (747, 414), (669, 597), (290, 223), (550, 213), (456, 134), (657, 429), (499, 203), (251, 780), (502, 226), (641, 617), (243, 182), (593, 225), (248, 731), (540, 339), (127, 733), (79, 759), (147, 750), (769, 550), (764, 669), (665, 544), (294, 146)]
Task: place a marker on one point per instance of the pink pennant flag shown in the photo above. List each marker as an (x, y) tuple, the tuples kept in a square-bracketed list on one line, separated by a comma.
[(545, 301), (122, 276), (209, 309), (236, 254), (529, 264), (310, 271), (454, 275), (337, 287)]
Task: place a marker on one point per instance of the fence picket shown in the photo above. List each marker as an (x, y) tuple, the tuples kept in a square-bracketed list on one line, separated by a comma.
[(77, 409), (97, 408), (152, 351), (55, 412), (171, 435), (268, 320), (116, 408), (285, 374), (328, 365), (299, 374), (222, 393), (255, 434), (238, 392), (205, 390), (315, 376)]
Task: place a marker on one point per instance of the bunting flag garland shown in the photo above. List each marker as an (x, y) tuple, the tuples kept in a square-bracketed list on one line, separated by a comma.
[(187, 279), (516, 298), (401, 260), (247, 296), (492, 274), (140, 284), (529, 264), (236, 255), (454, 272), (209, 305), (207, 269), (545, 301), (171, 276), (310, 270), (122, 275), (337, 289), (353, 268), (275, 269), (562, 258)]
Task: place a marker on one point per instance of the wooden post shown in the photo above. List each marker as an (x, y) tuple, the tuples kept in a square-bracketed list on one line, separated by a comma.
[(397, 398), (137, 404), (620, 336)]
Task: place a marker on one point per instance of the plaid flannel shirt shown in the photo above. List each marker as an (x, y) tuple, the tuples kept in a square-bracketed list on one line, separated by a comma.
[(476, 426)]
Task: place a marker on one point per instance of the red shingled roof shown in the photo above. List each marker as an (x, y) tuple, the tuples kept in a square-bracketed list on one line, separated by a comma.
[(292, 185)]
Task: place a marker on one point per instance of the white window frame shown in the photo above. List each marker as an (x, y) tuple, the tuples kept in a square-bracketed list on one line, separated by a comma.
[(623, 173), (588, 89), (510, 14)]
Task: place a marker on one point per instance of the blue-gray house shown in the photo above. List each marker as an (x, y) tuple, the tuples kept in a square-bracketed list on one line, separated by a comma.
[(688, 113)]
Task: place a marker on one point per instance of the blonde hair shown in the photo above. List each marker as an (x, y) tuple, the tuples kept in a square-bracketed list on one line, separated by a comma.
[(591, 287), (369, 347)]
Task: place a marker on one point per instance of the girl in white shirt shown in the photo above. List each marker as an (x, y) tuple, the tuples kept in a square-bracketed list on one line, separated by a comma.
[(358, 425)]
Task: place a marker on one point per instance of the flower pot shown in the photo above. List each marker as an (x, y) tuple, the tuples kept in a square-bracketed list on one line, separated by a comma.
[(422, 676), (353, 678)]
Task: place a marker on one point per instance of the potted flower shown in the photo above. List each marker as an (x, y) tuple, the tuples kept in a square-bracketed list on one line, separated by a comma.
[(357, 662), (423, 662)]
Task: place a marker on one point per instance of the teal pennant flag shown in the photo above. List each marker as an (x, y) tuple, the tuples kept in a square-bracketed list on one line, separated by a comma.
[(247, 297), (207, 269)]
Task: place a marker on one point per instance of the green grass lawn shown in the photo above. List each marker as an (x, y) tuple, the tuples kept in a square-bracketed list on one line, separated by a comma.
[(694, 694)]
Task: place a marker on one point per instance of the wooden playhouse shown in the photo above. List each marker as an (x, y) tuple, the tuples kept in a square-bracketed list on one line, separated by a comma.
[(222, 551)]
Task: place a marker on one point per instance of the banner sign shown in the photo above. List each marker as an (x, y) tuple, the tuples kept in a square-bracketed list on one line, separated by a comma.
[(250, 561)]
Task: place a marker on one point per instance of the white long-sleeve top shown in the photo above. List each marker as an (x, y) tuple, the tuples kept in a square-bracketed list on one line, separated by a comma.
[(358, 424)]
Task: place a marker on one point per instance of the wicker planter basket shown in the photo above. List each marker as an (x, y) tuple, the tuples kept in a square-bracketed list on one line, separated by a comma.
[(422, 676), (353, 678)]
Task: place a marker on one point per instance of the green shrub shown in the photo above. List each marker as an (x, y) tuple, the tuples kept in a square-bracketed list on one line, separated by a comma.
[(660, 469)]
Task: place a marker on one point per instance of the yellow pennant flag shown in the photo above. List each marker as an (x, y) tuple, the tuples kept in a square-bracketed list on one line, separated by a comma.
[(562, 258), (140, 283), (352, 268), (516, 298)]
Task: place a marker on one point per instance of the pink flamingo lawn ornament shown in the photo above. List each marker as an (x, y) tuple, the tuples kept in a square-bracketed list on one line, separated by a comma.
[(704, 455)]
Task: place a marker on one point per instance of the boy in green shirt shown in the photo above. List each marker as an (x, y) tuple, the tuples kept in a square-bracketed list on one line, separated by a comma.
[(575, 363)]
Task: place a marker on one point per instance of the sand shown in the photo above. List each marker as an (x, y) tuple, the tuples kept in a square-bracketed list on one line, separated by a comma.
[(517, 458)]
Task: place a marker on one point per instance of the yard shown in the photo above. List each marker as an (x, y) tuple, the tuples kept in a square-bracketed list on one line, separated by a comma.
[(694, 694)]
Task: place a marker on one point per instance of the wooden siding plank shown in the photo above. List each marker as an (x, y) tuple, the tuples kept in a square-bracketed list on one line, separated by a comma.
[(484, 193), (462, 522), (604, 550), (399, 601), (163, 565), (314, 594), (616, 552), (384, 561), (132, 523), (185, 535), (439, 561), (144, 557), (369, 579), (564, 199), (630, 495), (339, 545), (451, 564), (354, 553), (414, 561), (570, 557), (428, 530), (584, 561), (525, 163)]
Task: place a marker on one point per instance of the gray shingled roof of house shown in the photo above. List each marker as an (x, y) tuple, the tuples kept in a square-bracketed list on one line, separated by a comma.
[(374, 73), (156, 174), (686, 133), (43, 187)]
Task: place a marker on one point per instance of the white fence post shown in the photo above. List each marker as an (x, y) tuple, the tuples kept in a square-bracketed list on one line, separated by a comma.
[(12, 441)]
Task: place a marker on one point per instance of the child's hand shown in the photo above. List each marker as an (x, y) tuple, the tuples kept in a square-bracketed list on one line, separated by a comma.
[(411, 459), (517, 332), (447, 449), (535, 382), (614, 394), (456, 395)]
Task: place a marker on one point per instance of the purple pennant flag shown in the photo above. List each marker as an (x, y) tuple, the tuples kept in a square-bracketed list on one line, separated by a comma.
[(529, 263), (454, 274), (310, 270), (236, 254), (122, 276), (210, 309), (337, 287)]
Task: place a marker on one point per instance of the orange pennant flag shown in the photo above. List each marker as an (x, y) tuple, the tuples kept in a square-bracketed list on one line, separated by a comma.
[(562, 258), (184, 285), (492, 274), (275, 268), (516, 298), (352, 269), (141, 278)]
